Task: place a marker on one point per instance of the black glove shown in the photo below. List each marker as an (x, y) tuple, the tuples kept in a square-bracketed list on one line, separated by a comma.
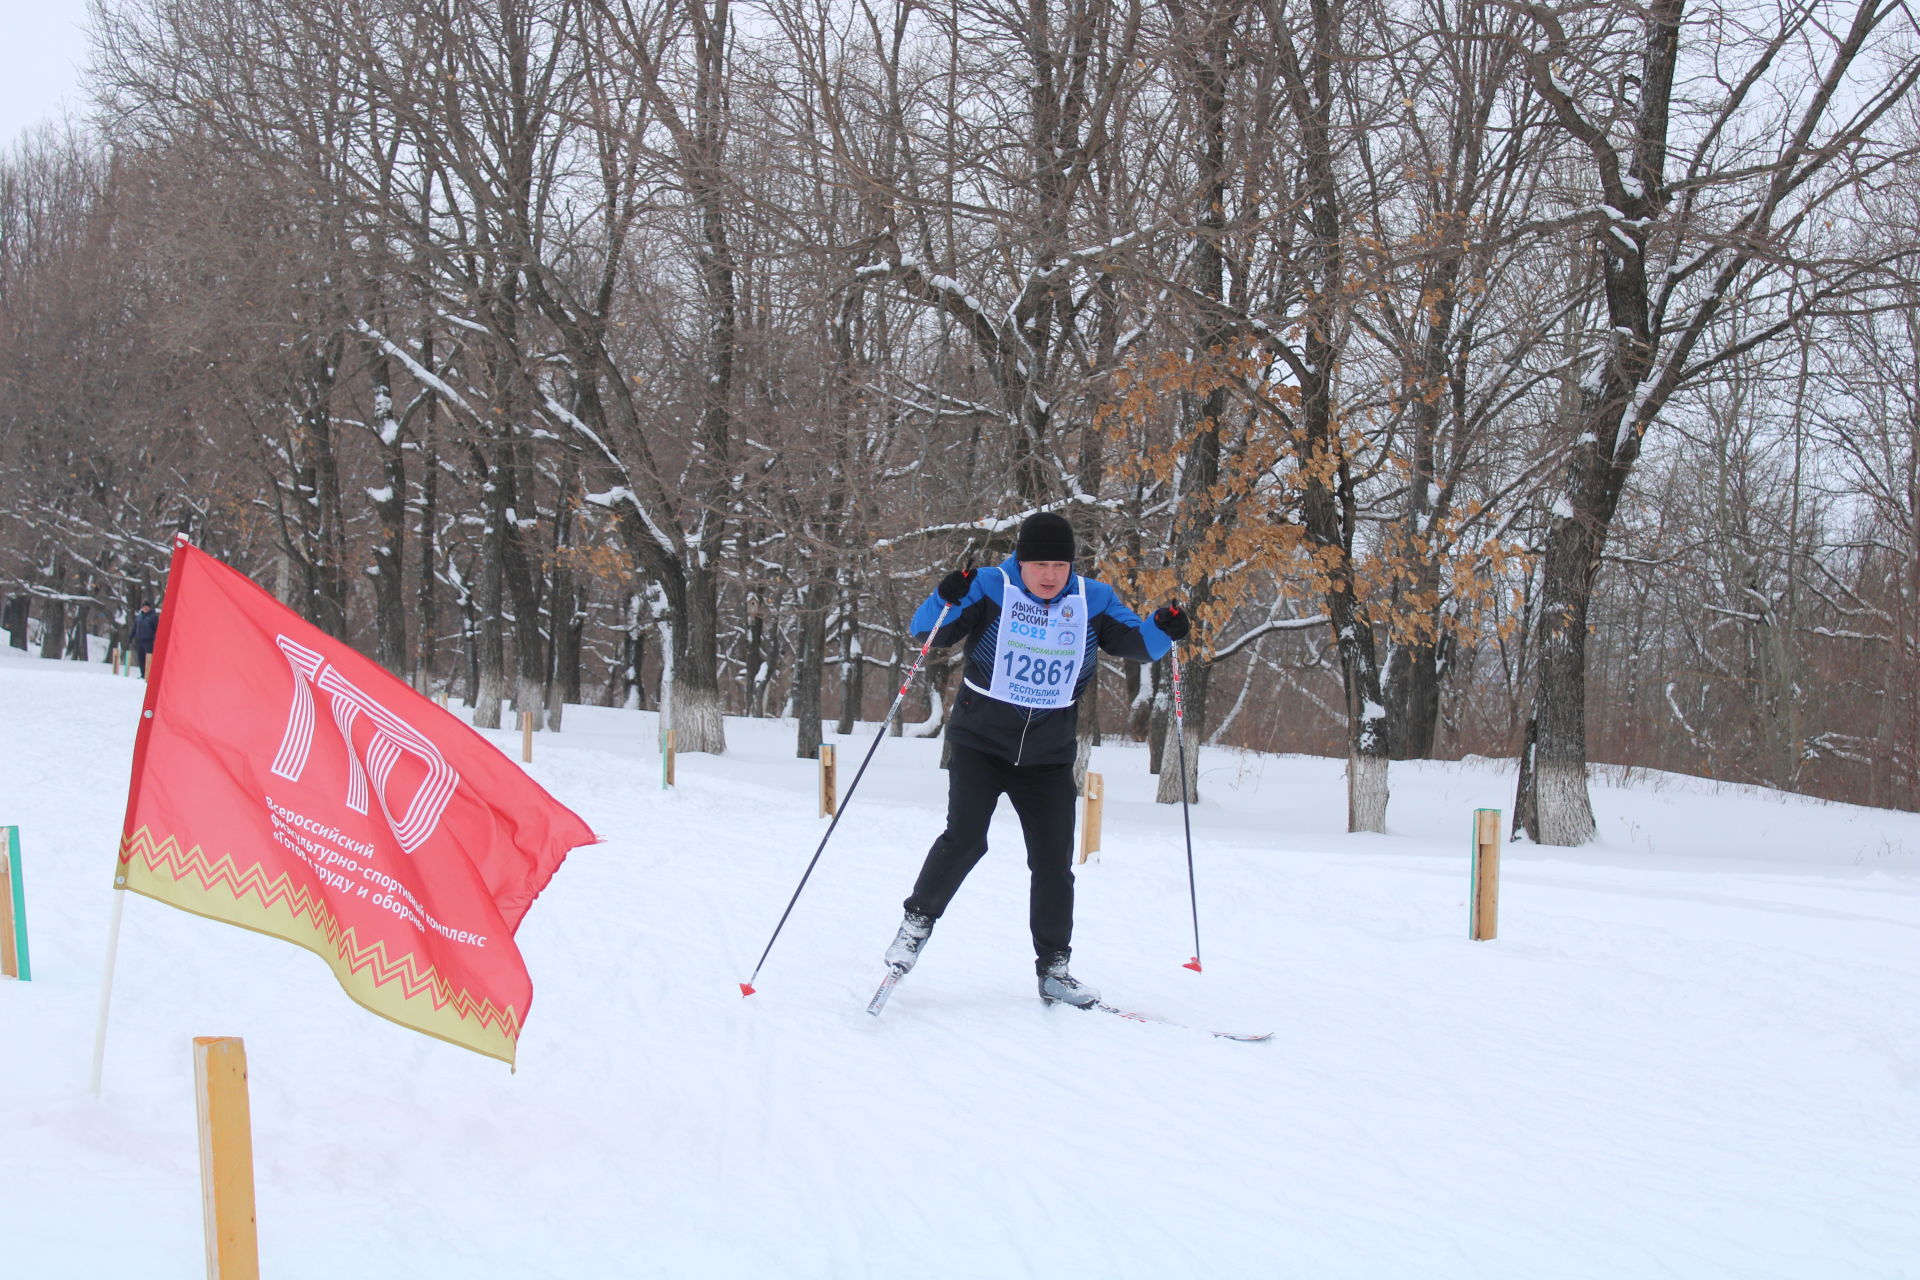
[(1172, 620), (954, 587)]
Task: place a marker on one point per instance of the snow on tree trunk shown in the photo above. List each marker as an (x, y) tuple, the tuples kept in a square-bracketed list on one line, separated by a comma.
[(1367, 764), (697, 725), (492, 688), (936, 716), (529, 696), (1565, 814), (1560, 810), (697, 700), (853, 672), (1167, 790), (1366, 792)]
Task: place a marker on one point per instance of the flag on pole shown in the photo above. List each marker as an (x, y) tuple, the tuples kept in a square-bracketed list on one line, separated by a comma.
[(285, 783)]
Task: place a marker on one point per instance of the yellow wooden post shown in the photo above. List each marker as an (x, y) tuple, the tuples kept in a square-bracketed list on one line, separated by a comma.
[(526, 737), (113, 653), (1486, 875), (829, 784), (226, 1157), (8, 967), (666, 761), (1090, 825)]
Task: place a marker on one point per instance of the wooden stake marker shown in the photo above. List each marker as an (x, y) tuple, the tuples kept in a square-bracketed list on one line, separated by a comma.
[(114, 655), (1096, 791), (226, 1157), (666, 760), (829, 782), (526, 737), (13, 909), (1486, 875)]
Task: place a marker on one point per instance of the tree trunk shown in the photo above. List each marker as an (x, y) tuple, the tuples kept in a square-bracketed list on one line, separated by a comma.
[(525, 589), (572, 640), (853, 669), (809, 668), (1183, 734), (321, 520), (1413, 699), (390, 512), (1328, 500), (1089, 731), (631, 686), (1563, 812), (895, 727), (490, 639), (77, 635), (53, 619), (756, 654), (1159, 709), (428, 586), (697, 707), (563, 607)]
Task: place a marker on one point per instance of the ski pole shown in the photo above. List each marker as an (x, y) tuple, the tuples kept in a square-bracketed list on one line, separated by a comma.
[(1186, 823), (746, 988)]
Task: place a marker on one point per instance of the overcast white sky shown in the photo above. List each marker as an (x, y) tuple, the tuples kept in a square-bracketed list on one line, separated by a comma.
[(43, 45)]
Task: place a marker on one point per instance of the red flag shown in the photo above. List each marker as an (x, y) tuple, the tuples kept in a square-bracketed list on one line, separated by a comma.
[(283, 782)]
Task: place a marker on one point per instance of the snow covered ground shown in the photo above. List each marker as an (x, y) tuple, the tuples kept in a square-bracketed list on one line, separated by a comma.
[(1693, 1051)]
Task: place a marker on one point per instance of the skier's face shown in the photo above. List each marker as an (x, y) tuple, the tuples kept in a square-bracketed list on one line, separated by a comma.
[(1044, 579)]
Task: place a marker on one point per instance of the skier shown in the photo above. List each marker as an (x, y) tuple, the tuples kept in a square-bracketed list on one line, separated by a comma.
[(146, 627), (1032, 626)]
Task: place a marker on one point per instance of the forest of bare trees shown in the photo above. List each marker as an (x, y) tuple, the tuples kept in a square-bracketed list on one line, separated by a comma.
[(1520, 378)]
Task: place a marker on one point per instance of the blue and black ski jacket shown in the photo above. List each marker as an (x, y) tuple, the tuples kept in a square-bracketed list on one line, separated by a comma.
[(1019, 734)]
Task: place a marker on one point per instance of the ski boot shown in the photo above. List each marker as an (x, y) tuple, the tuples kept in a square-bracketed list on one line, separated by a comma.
[(1057, 986), (907, 943)]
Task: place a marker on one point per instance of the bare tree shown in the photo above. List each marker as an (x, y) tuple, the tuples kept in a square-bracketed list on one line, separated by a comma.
[(1708, 153)]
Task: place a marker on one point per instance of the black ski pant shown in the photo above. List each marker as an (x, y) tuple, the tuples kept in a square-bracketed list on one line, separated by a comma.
[(1043, 797)]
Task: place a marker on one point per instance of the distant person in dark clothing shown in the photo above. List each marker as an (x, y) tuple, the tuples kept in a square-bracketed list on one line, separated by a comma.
[(146, 626)]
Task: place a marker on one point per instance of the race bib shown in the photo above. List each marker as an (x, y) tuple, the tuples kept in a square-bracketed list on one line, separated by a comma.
[(1040, 649)]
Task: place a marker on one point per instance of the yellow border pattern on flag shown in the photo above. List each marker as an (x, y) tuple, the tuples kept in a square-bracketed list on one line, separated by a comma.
[(398, 988)]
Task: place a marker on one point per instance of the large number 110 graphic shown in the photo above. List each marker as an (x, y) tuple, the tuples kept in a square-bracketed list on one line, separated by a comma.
[(391, 739)]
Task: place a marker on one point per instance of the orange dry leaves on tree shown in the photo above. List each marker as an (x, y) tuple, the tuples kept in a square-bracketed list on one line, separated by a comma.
[(1241, 533), (1236, 532)]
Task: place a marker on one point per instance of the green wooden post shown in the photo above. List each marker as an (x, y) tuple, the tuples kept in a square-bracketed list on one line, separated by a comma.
[(16, 909)]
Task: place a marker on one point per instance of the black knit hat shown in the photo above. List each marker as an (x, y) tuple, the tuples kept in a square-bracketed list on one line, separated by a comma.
[(1045, 536)]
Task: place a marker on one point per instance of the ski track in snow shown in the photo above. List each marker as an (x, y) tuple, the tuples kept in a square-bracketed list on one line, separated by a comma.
[(1693, 1050)]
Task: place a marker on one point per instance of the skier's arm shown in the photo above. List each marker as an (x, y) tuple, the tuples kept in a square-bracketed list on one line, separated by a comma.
[(1125, 634), (961, 618)]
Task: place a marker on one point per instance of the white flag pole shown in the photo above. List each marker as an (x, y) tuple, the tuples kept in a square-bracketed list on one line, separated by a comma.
[(106, 988)]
